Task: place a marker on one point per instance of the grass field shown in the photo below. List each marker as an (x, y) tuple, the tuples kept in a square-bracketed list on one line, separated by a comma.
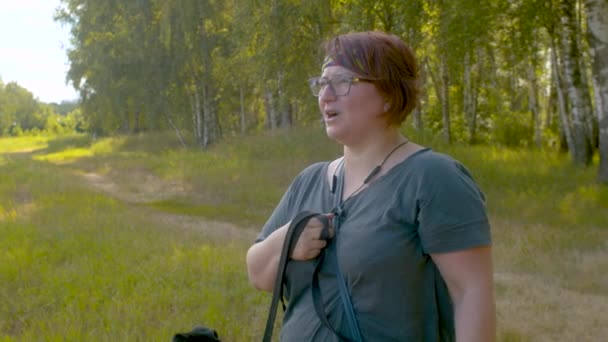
[(134, 238)]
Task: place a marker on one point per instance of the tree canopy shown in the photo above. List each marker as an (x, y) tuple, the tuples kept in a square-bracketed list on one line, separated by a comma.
[(518, 73)]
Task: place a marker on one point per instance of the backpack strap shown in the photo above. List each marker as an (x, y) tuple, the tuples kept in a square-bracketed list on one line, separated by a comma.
[(330, 253), (291, 237)]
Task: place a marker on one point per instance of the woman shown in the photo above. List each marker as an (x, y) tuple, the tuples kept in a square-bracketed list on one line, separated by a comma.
[(412, 220)]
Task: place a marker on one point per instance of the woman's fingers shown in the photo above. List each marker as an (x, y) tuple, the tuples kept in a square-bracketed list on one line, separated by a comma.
[(322, 224), (314, 237)]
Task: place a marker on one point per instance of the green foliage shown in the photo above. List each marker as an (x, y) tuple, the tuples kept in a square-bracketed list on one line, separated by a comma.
[(21, 114), (64, 107), (512, 129)]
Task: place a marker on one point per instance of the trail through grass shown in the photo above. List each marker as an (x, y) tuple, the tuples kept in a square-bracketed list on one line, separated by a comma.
[(134, 238)]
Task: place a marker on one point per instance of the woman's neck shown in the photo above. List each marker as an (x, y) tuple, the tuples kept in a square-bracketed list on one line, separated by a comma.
[(371, 152), (366, 162)]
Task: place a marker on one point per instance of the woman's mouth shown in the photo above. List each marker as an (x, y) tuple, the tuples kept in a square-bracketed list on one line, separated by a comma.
[(330, 114)]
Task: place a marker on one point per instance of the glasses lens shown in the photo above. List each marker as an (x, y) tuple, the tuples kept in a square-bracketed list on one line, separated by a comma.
[(341, 86), (316, 83)]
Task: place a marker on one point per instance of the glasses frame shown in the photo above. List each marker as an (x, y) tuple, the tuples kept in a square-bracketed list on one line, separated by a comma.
[(351, 79)]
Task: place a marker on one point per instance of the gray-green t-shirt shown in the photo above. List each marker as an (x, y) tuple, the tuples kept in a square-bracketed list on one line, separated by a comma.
[(427, 204)]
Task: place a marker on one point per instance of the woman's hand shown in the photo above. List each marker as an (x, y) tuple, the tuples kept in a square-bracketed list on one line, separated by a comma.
[(313, 238), (263, 257)]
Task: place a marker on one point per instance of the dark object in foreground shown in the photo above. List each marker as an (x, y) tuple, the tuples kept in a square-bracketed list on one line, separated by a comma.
[(198, 334)]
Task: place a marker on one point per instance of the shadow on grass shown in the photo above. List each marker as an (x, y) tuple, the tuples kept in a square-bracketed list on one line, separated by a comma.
[(224, 212), (62, 143)]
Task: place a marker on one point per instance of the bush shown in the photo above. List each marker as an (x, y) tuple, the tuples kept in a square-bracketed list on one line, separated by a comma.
[(513, 129)]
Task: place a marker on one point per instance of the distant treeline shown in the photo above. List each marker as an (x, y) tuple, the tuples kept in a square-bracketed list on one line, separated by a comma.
[(21, 113), (517, 72)]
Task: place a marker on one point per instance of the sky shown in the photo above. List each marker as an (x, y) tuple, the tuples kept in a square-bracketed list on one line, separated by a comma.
[(33, 49)]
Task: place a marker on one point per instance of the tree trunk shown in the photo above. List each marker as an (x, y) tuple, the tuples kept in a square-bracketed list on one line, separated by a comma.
[(284, 107), (533, 101), (197, 117), (210, 122), (271, 116), (207, 118), (597, 110), (137, 124), (466, 91), (286, 113), (570, 57), (418, 123), (243, 123), (515, 102), (445, 99), (561, 97), (180, 137), (551, 107), (597, 22), (493, 92), (590, 118), (470, 98)]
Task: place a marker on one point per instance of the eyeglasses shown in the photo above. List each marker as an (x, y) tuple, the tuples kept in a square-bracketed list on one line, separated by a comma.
[(340, 84)]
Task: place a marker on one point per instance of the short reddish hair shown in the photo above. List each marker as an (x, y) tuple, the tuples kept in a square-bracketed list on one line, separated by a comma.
[(385, 59)]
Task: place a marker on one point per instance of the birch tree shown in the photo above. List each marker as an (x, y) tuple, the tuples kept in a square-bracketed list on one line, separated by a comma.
[(573, 78), (597, 22)]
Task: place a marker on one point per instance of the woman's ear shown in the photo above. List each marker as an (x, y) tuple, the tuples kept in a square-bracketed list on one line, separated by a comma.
[(387, 106)]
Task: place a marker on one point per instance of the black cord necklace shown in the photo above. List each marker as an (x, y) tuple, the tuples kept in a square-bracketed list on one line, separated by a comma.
[(369, 177)]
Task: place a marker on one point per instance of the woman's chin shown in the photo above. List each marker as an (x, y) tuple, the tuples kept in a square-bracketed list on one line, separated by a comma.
[(331, 133), (334, 135)]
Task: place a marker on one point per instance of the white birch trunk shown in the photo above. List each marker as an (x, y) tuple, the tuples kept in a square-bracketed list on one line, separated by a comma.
[(551, 98), (562, 106), (445, 100), (180, 137), (207, 119), (533, 102), (417, 113), (597, 22), (470, 95), (271, 116), (572, 77), (197, 116), (466, 92), (284, 107)]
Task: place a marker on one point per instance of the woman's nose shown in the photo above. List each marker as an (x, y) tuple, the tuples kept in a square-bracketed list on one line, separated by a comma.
[(327, 93)]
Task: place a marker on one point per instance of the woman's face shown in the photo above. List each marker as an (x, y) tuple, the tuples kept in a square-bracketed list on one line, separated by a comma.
[(350, 117)]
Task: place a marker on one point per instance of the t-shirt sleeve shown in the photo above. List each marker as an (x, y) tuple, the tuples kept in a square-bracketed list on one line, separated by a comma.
[(451, 208), (292, 201), (280, 215)]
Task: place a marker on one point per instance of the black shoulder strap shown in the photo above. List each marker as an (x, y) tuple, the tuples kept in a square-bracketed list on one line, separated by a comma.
[(291, 237), (330, 254)]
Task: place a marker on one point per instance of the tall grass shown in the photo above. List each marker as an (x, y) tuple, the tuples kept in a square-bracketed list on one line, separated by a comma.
[(80, 264), (77, 265)]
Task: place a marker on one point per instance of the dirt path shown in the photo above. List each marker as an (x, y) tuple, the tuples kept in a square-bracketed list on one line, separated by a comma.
[(529, 304), (146, 188)]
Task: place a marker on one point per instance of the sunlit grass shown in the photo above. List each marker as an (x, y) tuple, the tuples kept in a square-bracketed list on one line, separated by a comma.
[(22, 144), (217, 212), (83, 266), (108, 145), (536, 186), (66, 155)]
